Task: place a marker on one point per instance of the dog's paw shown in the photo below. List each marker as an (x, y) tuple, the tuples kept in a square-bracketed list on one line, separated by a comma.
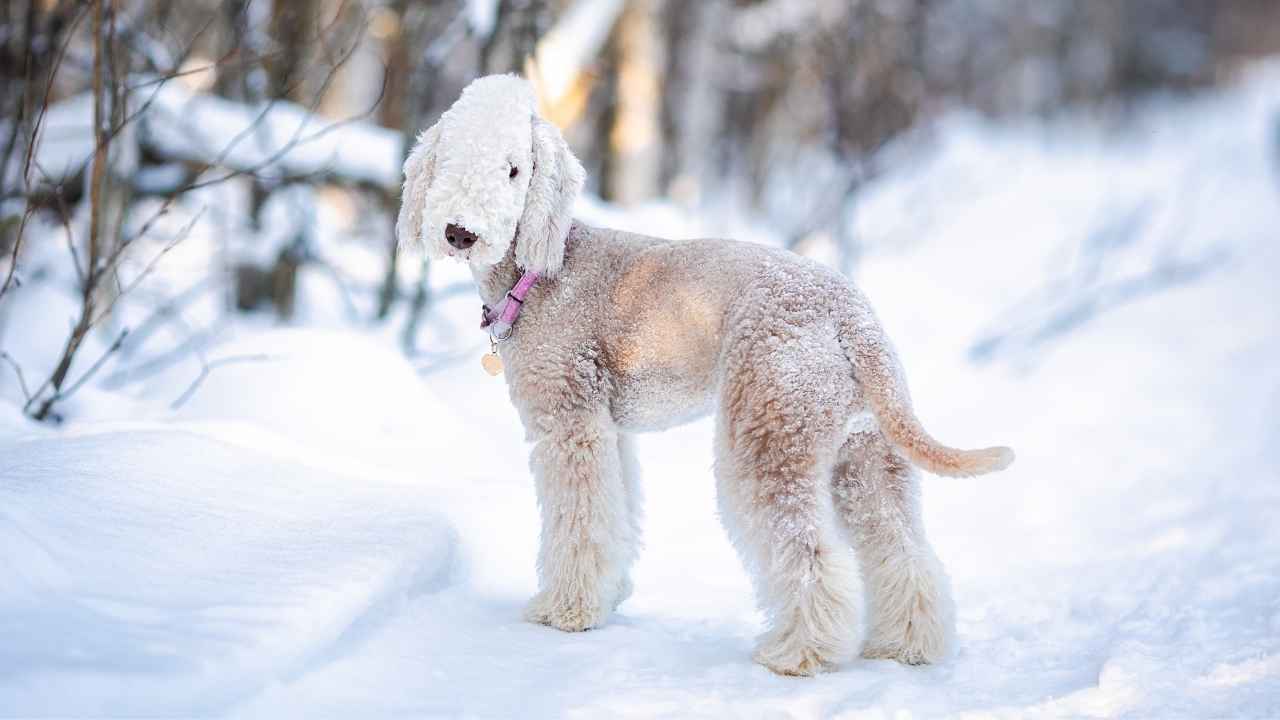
[(919, 635), (789, 658), (918, 646), (569, 615)]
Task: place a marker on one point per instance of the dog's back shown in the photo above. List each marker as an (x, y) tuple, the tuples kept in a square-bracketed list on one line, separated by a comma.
[(665, 315)]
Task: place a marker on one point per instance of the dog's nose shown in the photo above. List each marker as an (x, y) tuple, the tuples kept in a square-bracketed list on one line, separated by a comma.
[(459, 237)]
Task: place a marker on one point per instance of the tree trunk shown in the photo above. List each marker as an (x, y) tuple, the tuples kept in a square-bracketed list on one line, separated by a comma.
[(635, 140)]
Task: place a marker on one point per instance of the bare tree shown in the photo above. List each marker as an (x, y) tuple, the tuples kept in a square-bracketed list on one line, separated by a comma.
[(123, 86)]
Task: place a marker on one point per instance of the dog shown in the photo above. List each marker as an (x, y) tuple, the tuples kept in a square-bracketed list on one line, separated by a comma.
[(605, 334)]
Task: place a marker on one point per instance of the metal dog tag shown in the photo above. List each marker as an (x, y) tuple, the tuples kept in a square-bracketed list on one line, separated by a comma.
[(491, 363)]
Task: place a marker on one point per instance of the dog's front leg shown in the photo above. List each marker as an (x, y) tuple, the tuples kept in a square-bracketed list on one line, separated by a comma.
[(586, 535)]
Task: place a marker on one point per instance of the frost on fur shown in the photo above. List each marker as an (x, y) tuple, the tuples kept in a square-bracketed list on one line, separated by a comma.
[(628, 333)]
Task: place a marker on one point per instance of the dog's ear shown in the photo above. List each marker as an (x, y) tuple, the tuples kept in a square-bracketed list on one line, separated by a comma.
[(419, 171), (555, 182)]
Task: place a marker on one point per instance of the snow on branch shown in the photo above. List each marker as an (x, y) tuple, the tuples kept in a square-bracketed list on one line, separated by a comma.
[(278, 137)]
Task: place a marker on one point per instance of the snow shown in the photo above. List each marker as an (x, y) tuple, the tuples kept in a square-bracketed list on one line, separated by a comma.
[(482, 14), (157, 570), (276, 137), (322, 528), (279, 136), (66, 140)]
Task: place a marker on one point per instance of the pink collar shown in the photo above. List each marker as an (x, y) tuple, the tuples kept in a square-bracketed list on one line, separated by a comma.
[(500, 320)]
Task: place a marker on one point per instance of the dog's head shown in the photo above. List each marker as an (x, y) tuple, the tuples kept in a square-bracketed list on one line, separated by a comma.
[(491, 172)]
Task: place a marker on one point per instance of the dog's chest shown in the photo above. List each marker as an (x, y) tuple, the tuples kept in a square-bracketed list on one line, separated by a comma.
[(662, 368), (661, 344), (657, 401)]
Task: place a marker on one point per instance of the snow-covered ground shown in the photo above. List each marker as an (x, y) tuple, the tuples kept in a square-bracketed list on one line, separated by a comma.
[(322, 528)]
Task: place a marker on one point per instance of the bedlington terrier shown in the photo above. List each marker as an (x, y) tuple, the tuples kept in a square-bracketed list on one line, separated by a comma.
[(604, 334)]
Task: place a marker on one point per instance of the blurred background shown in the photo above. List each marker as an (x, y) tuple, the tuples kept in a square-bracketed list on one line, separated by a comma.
[(273, 130)]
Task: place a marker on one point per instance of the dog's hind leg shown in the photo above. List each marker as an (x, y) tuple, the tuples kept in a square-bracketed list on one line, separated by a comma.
[(780, 423), (587, 538), (634, 514), (877, 496)]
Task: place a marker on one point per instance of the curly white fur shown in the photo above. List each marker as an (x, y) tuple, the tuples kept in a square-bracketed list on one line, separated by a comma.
[(461, 172), (629, 333)]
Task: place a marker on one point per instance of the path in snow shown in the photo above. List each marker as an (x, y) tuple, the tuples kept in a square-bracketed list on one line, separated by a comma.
[(324, 532)]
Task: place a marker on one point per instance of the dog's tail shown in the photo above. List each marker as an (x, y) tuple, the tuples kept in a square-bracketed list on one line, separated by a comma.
[(876, 367)]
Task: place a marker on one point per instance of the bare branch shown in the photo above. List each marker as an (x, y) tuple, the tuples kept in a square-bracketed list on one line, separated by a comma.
[(12, 140), (11, 276), (169, 311), (44, 105), (103, 37), (208, 368), (296, 139), (17, 370), (150, 266), (64, 216), (93, 369), (59, 394)]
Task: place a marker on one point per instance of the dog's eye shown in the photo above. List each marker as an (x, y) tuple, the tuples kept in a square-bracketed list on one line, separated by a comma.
[(514, 172)]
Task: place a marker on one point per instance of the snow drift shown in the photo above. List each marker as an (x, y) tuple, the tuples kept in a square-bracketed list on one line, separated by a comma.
[(153, 570)]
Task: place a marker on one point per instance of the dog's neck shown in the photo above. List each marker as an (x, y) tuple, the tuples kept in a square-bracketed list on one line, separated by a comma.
[(493, 281)]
